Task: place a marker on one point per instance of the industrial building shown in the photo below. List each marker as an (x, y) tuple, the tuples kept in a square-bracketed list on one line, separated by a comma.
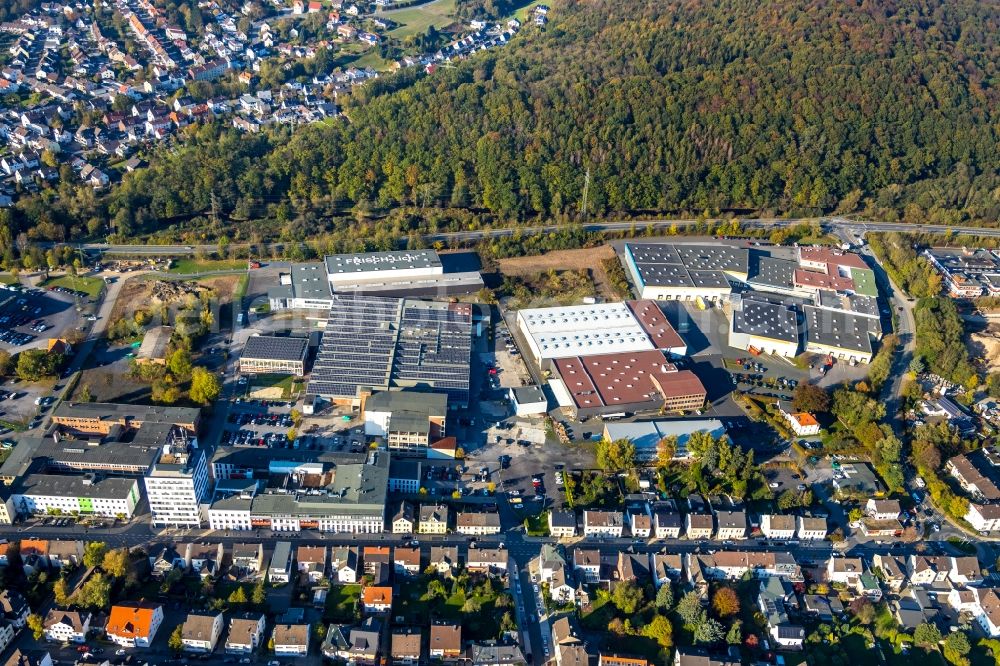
[(406, 273), (334, 492), (375, 344), (666, 271), (304, 287), (764, 327), (647, 435), (100, 417), (605, 328), (274, 355), (967, 273), (617, 384), (830, 268), (85, 495), (406, 420), (840, 334), (154, 345)]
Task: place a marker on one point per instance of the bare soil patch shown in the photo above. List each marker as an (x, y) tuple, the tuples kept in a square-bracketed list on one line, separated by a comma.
[(584, 259)]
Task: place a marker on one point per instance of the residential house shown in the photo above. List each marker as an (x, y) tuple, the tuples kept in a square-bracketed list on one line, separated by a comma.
[(491, 561), (376, 556), (200, 631), (696, 657), (65, 553), (699, 523), (246, 632), (562, 524), (587, 564), (928, 569), (444, 559), (433, 519), (984, 517), (376, 600), (965, 571), (64, 626), (478, 524), (666, 520), (550, 568), (134, 623), (405, 645), (632, 567), (810, 528), (602, 523), (775, 526), (494, 653), (34, 555), (14, 607), (248, 560), (345, 564), (18, 658), (731, 524), (404, 518), (882, 509), (205, 559), (844, 570), (407, 560), (772, 599), (280, 569), (893, 570), (445, 641), (311, 562), (988, 613), (666, 567), (620, 660), (337, 644), (365, 643), (164, 558), (291, 640), (637, 513)]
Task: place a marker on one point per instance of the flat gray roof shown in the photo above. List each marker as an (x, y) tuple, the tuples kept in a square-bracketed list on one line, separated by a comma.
[(855, 303), (528, 394), (674, 264), (309, 281), (765, 320), (272, 348), (51, 485), (772, 272), (373, 262), (107, 411), (431, 404), (834, 328)]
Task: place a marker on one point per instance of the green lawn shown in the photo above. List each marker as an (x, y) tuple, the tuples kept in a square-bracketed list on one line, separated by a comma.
[(89, 285), (411, 602), (7, 278), (190, 265), (416, 20), (342, 604), (289, 385), (537, 525)]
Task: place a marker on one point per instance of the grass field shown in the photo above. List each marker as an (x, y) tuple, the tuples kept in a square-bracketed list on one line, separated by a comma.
[(188, 266), (89, 285), (416, 20), (342, 603), (7, 278), (289, 385)]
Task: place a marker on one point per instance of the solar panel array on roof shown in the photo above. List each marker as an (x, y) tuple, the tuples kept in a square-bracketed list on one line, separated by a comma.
[(274, 348), (385, 343)]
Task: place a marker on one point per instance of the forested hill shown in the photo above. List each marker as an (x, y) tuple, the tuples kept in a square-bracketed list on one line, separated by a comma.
[(672, 106)]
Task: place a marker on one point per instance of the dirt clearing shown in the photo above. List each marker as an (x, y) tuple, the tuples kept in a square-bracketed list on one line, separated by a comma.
[(585, 259)]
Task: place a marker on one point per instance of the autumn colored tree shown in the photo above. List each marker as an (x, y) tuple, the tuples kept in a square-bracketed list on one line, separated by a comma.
[(725, 602)]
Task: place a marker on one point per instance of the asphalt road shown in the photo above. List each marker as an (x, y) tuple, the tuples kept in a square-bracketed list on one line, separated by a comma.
[(465, 236)]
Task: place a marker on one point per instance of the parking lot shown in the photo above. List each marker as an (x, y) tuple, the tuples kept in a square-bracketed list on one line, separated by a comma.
[(30, 314)]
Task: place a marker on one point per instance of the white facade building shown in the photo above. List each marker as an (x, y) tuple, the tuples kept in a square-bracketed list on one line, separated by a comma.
[(176, 485)]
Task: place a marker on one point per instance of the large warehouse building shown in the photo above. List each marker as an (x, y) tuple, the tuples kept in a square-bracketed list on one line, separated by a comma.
[(617, 384), (840, 334), (311, 285), (665, 271), (380, 344), (764, 327), (606, 328)]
